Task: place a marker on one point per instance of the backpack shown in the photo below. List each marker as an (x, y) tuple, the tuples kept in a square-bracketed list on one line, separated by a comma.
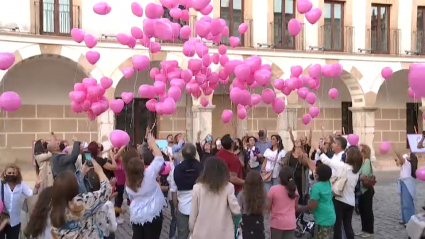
[(414, 164)]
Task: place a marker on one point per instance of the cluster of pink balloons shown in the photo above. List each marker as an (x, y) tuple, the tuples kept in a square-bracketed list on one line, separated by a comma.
[(311, 14), (9, 101)]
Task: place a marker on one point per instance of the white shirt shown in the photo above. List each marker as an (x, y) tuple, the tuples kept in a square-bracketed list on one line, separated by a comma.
[(184, 197), (13, 201), (337, 157), (348, 196), (406, 168), (273, 161), (168, 151), (253, 163), (148, 202)]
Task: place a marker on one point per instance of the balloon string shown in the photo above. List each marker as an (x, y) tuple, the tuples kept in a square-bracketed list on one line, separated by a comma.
[(386, 90)]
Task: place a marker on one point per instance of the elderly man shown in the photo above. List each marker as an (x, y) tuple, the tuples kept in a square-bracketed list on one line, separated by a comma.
[(60, 161), (262, 143)]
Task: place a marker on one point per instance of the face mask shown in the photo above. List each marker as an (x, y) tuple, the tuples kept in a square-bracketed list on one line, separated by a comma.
[(261, 134), (218, 142), (208, 139), (10, 178)]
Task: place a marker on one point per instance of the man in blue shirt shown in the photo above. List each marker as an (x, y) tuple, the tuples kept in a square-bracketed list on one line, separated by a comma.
[(262, 143)]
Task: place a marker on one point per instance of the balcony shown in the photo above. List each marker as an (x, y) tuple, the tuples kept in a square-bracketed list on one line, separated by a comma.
[(246, 39), (282, 40), (337, 39), (418, 44), (55, 19), (383, 41)]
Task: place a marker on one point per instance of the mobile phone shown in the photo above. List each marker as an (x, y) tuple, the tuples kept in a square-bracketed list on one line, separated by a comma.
[(88, 159)]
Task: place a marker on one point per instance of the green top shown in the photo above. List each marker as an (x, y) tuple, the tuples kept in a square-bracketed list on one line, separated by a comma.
[(324, 214), (366, 170)]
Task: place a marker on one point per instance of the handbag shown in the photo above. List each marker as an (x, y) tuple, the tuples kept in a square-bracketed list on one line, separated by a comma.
[(4, 214), (369, 182), (339, 183)]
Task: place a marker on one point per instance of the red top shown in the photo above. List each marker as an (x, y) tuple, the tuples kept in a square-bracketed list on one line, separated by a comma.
[(233, 163)]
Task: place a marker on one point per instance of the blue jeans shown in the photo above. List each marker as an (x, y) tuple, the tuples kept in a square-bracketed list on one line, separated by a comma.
[(407, 204), (258, 168), (269, 184), (173, 223)]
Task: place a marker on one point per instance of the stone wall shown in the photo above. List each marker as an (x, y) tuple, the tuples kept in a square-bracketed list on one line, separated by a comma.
[(172, 124), (18, 130)]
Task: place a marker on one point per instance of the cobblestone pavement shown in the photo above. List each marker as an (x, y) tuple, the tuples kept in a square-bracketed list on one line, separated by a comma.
[(386, 209)]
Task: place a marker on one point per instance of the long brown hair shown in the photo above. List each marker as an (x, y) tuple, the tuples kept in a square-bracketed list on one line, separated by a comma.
[(135, 171), (64, 189), (38, 219), (287, 180), (254, 199), (354, 158), (215, 175), (18, 172), (366, 151)]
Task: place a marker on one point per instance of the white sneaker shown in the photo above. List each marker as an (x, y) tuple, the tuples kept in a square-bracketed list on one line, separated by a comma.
[(359, 234), (120, 220)]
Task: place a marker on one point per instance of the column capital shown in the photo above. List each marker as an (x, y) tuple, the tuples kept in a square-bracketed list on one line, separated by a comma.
[(363, 109), (199, 108)]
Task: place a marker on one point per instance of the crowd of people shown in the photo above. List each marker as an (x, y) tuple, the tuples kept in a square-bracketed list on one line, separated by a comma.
[(213, 188)]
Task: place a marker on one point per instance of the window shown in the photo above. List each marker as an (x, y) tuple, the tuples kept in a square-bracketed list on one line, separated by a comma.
[(284, 11), (379, 32), (412, 112), (232, 12), (134, 119), (420, 39), (333, 33), (346, 118), (56, 17), (167, 15)]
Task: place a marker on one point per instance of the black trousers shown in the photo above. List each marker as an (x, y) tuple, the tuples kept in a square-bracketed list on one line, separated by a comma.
[(366, 210), (149, 230), (120, 197), (344, 214), (111, 236), (10, 232)]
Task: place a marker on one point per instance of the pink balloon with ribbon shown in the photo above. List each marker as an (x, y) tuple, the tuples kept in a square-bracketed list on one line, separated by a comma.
[(119, 138), (241, 112), (278, 105), (310, 98), (315, 70), (416, 82), (313, 112), (92, 57), (116, 105), (268, 96), (137, 33), (304, 6), (7, 59), (294, 27), (141, 62), (90, 40), (106, 82), (154, 11), (10, 101), (313, 15), (226, 116), (207, 10), (333, 93), (128, 72), (243, 28), (306, 119), (353, 139), (296, 71), (127, 97), (386, 73), (102, 8), (234, 41), (136, 9), (204, 102), (384, 147), (77, 34)]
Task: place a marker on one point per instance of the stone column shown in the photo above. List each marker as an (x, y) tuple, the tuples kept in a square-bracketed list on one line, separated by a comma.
[(106, 122), (202, 120), (288, 119), (364, 125), (421, 127), (241, 127)]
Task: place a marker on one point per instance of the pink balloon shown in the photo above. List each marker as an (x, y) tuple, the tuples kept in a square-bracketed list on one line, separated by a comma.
[(169, 3), (327, 70), (90, 41), (90, 115), (243, 28), (296, 71), (89, 82), (136, 32), (314, 70), (79, 87), (223, 60), (76, 107), (155, 47), (241, 112), (127, 97), (313, 112), (123, 38), (243, 71), (313, 15), (255, 99), (279, 84), (178, 83), (140, 62), (410, 93), (310, 98), (304, 6), (186, 75), (204, 102), (176, 13), (278, 105), (150, 105), (86, 105), (106, 82), (384, 147), (78, 34), (128, 72), (10, 101), (225, 31), (416, 80), (333, 93), (102, 8), (163, 29), (420, 174), (79, 96), (198, 5), (294, 27), (226, 116), (302, 92), (216, 27), (185, 15), (202, 28), (336, 70), (207, 10), (131, 42), (159, 87), (6, 60), (263, 77), (169, 106), (136, 9), (185, 32), (222, 49), (268, 96), (147, 91), (353, 139), (189, 49), (215, 58), (175, 93), (119, 138), (92, 57), (116, 105), (234, 41), (387, 72), (154, 11), (306, 119)]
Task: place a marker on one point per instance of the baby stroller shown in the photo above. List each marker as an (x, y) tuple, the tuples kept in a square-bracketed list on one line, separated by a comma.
[(305, 225)]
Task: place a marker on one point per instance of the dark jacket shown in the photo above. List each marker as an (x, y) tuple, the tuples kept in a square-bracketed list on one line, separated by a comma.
[(62, 162), (186, 174)]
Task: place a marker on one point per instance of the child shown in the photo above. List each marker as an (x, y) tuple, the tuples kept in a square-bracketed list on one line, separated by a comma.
[(321, 203), (120, 185), (283, 201), (252, 204)]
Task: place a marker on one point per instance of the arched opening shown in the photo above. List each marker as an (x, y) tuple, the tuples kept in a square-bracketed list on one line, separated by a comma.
[(334, 113), (398, 114), (221, 101), (43, 83), (135, 117)]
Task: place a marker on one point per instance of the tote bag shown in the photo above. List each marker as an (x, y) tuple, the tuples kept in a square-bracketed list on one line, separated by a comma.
[(339, 183)]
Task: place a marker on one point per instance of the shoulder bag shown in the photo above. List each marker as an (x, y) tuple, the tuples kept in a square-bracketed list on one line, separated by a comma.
[(339, 183), (4, 214), (267, 176), (369, 182)]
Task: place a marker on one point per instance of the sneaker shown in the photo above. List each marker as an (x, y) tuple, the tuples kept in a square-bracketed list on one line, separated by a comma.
[(120, 221), (401, 222), (359, 233), (366, 235)]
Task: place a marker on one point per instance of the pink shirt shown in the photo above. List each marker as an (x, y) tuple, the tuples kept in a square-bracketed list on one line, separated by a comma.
[(282, 213), (119, 173)]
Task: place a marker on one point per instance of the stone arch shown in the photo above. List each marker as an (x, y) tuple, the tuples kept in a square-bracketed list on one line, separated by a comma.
[(31, 51)]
